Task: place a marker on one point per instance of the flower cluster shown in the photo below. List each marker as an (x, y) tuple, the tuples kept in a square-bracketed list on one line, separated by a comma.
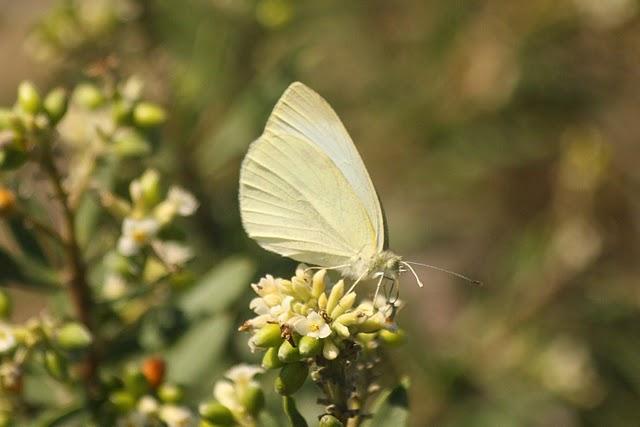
[(141, 398), (237, 399), (147, 245), (300, 318)]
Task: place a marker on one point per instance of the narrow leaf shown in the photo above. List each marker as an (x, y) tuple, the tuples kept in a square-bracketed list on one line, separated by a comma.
[(392, 409), (295, 418)]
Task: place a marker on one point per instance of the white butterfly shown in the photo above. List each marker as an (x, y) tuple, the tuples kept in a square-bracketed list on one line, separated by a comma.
[(306, 194)]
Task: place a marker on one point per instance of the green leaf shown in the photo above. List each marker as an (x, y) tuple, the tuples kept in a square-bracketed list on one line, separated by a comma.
[(219, 288), (392, 409), (295, 418), (26, 272), (67, 416), (27, 240), (9, 269), (197, 353)]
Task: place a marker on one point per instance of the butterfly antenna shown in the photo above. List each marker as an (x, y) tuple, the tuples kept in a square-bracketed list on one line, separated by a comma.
[(414, 273), (444, 270)]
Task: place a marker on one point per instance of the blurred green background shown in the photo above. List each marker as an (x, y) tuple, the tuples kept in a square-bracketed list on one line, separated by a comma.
[(502, 137)]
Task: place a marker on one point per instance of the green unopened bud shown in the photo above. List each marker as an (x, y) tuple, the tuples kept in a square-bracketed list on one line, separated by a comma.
[(288, 353), (252, 399), (349, 319), (216, 413), (123, 401), (291, 378), (345, 303), (28, 97), (55, 104), (393, 338), (322, 301), (330, 350), (135, 382), (55, 365), (88, 95), (147, 114), (129, 143), (73, 336), (5, 299), (340, 329), (336, 294), (329, 421), (309, 346), (149, 189), (318, 283), (170, 393), (268, 336), (12, 152), (122, 111), (270, 359)]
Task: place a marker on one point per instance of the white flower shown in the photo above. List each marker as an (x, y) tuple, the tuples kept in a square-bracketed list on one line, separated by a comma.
[(148, 405), (312, 326), (227, 392), (7, 338), (172, 252), (185, 203), (243, 374), (177, 416), (136, 233), (133, 419)]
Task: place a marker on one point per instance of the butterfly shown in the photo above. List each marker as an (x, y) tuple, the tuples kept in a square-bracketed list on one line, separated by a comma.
[(305, 193)]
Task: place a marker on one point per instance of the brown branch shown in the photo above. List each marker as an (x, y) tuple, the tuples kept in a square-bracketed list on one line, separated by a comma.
[(78, 286)]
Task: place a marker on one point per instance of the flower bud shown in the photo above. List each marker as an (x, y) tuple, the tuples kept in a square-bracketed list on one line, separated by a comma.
[(291, 378), (135, 382), (349, 319), (129, 143), (252, 399), (309, 346), (7, 206), (123, 401), (322, 301), (55, 104), (147, 114), (55, 365), (270, 359), (340, 329), (345, 303), (73, 336), (153, 369), (216, 413), (288, 353), (336, 294), (88, 95), (122, 111), (318, 283), (268, 336), (12, 152), (330, 350), (328, 420), (170, 393), (28, 97), (392, 338)]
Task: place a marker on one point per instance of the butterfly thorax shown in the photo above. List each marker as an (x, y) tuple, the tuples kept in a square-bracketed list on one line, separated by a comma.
[(366, 267)]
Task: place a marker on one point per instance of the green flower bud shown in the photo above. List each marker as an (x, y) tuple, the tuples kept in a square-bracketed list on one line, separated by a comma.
[(129, 143), (12, 153), (270, 359), (288, 353), (336, 294), (309, 346), (252, 399), (88, 95), (170, 393), (5, 301), (393, 338), (147, 114), (122, 111), (318, 283), (345, 303), (329, 421), (123, 401), (135, 382), (55, 365), (268, 336), (216, 413), (55, 104), (291, 378), (73, 336), (29, 98), (6, 119)]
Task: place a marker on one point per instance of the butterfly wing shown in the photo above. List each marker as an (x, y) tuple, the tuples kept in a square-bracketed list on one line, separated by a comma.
[(304, 191)]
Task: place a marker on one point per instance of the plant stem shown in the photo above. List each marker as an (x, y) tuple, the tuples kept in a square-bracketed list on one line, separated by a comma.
[(78, 286)]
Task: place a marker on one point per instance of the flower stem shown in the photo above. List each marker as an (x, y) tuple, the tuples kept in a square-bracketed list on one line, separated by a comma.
[(78, 286)]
